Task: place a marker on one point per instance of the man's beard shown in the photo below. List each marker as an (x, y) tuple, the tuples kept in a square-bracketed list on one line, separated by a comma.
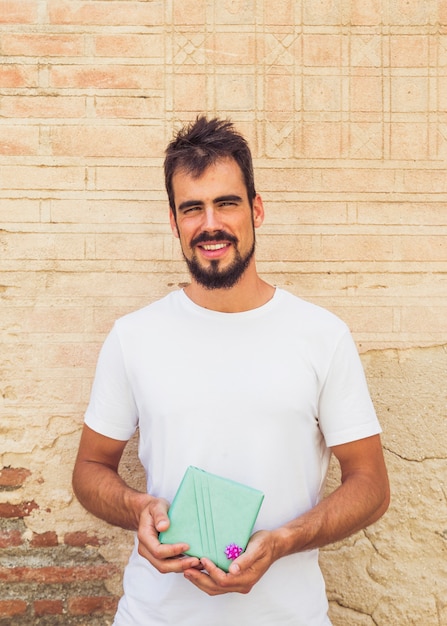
[(212, 277)]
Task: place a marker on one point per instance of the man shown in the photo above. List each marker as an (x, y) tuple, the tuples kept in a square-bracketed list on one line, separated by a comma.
[(242, 380)]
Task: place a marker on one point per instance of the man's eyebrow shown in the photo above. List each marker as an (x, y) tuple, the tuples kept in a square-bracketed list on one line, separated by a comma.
[(189, 203), (228, 198), (192, 203)]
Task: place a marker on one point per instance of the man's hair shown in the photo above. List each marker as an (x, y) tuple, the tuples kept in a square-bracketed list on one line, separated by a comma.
[(201, 144)]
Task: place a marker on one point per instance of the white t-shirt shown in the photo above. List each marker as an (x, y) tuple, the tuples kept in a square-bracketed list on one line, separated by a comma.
[(258, 397)]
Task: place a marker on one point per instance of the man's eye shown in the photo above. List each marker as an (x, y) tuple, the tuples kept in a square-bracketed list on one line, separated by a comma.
[(191, 209)]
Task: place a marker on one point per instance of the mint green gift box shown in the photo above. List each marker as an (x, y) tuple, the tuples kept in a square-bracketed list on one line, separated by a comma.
[(212, 514)]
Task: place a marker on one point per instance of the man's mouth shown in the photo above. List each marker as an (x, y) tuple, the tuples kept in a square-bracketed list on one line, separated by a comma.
[(213, 246), (213, 241)]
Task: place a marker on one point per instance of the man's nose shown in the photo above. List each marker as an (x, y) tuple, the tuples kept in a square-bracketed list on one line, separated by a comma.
[(211, 219)]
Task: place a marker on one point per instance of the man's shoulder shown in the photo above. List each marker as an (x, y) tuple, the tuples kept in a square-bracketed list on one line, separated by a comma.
[(156, 309), (308, 311)]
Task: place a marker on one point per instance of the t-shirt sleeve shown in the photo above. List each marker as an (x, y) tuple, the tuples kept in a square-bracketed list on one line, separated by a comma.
[(112, 410), (346, 411)]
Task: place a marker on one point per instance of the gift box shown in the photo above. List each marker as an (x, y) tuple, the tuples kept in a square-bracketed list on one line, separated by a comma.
[(213, 515)]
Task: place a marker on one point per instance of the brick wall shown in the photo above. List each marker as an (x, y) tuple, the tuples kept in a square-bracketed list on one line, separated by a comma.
[(45, 578), (344, 104)]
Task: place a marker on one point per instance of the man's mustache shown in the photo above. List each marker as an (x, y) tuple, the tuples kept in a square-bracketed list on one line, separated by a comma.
[(218, 235)]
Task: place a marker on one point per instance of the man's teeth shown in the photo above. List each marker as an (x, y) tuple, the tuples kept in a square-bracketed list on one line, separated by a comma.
[(213, 246)]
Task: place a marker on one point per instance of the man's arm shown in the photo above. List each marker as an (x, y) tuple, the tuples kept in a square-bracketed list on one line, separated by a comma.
[(98, 486), (361, 499), (101, 490)]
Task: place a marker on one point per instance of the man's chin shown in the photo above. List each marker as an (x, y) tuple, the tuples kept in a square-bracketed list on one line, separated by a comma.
[(214, 276), (215, 285), (216, 281)]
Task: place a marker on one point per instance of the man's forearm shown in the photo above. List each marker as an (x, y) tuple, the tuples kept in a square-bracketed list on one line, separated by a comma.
[(102, 492), (360, 500), (357, 503)]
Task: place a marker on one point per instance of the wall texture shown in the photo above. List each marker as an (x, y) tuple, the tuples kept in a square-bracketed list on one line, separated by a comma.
[(344, 103)]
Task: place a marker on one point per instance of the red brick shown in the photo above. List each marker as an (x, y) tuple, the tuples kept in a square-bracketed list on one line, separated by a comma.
[(129, 106), (17, 510), (54, 575), (417, 248), (86, 605), (27, 209), (412, 318), (133, 141), (9, 608), (425, 181), (17, 76), (361, 247), (134, 248), (338, 180), (43, 177), (80, 539), (117, 13), (42, 45), (44, 540), (321, 50), (18, 11), (129, 46), (126, 178), (40, 246), (195, 12), (44, 320), (16, 141), (13, 476), (48, 607), (10, 538), (43, 106), (107, 77)]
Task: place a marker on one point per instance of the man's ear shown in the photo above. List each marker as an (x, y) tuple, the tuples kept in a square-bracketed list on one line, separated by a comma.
[(173, 223), (258, 211)]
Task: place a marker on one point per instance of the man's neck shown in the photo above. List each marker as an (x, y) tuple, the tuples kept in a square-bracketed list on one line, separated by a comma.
[(249, 293)]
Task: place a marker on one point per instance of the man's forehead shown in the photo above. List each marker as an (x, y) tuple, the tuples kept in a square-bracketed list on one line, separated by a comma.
[(221, 171)]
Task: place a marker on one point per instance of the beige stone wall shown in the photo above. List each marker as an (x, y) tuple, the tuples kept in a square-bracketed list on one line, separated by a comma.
[(344, 103)]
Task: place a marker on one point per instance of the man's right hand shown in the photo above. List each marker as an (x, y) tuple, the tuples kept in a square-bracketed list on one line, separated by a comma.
[(165, 557)]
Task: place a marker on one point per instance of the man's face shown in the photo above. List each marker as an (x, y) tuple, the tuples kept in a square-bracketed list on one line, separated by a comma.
[(215, 223)]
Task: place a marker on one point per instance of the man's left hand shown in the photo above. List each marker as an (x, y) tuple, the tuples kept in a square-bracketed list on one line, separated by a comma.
[(244, 572)]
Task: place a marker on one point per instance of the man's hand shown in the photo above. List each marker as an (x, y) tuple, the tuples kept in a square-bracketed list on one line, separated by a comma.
[(244, 572), (164, 557)]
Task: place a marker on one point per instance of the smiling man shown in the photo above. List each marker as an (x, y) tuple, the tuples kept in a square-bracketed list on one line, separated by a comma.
[(244, 380), (213, 255), (215, 227)]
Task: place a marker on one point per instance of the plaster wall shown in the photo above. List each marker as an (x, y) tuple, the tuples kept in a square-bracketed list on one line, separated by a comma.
[(344, 104)]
